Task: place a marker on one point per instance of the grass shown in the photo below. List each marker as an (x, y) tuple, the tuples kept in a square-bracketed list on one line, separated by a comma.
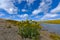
[(27, 29), (15, 23), (26, 25), (55, 36), (52, 21)]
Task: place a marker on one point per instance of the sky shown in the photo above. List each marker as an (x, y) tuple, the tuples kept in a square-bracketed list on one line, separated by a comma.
[(30, 9)]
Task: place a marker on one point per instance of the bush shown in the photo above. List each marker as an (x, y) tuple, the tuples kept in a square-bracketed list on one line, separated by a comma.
[(28, 29)]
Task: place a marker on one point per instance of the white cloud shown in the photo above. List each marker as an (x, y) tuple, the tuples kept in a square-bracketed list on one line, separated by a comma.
[(43, 7), (19, 1), (8, 6), (57, 9), (42, 3), (48, 2), (8, 17), (49, 16), (11, 17), (23, 16), (24, 10), (30, 2), (13, 11), (53, 14), (35, 12), (38, 16), (2, 14)]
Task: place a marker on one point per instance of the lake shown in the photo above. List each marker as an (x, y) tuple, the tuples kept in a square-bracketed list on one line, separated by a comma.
[(51, 27)]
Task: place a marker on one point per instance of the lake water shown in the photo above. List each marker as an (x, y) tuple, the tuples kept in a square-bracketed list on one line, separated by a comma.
[(51, 27)]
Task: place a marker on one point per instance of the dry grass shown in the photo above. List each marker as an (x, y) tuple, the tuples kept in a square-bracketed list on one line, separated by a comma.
[(55, 36), (52, 21)]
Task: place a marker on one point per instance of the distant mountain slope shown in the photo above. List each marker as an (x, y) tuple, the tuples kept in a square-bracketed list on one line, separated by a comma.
[(52, 21)]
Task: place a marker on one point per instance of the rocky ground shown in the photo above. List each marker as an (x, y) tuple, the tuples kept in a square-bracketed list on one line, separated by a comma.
[(10, 32), (45, 35)]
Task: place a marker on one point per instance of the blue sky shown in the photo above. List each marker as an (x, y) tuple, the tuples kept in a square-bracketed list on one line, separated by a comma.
[(30, 9)]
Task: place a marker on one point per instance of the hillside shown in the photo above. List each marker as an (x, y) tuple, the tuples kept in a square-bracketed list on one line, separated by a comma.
[(9, 31), (52, 21)]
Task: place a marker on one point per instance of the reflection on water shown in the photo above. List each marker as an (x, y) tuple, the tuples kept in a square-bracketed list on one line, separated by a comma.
[(51, 27)]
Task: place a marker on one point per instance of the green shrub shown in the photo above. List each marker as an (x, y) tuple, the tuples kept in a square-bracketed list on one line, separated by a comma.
[(29, 29)]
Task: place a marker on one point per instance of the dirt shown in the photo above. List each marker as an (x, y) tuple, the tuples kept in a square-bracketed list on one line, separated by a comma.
[(45, 35), (8, 33)]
